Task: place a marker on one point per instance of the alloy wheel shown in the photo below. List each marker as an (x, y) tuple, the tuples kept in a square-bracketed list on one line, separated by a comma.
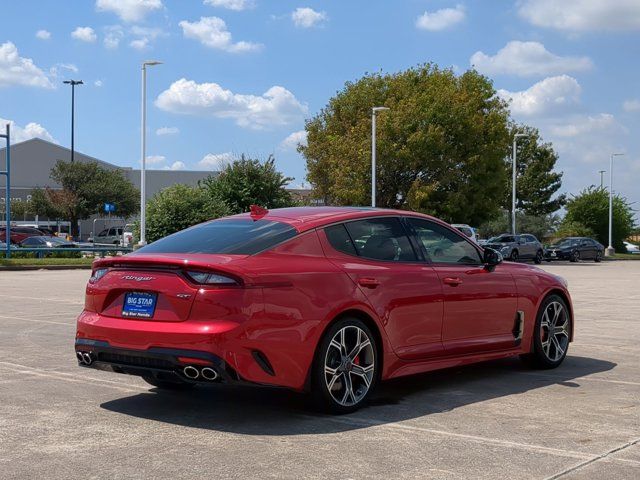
[(349, 365), (554, 331)]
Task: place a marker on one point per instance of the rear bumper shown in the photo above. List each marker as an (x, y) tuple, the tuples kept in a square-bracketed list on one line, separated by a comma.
[(557, 256), (276, 353), (161, 363)]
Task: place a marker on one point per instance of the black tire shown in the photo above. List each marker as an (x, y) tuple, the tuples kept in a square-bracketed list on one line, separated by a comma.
[(598, 257), (514, 256), (329, 355), (575, 256), (167, 385), (545, 354), (538, 258)]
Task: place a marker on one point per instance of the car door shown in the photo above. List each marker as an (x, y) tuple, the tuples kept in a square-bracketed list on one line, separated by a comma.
[(527, 246), (587, 249), (480, 304), (403, 290)]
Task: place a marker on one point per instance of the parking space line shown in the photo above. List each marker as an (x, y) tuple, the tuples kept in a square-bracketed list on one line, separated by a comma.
[(22, 319), (360, 422), (602, 456), (24, 369)]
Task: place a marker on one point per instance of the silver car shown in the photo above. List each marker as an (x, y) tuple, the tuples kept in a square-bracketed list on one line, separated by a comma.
[(109, 236), (517, 247)]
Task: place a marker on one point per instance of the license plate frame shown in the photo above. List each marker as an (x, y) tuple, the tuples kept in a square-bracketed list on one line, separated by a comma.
[(133, 307)]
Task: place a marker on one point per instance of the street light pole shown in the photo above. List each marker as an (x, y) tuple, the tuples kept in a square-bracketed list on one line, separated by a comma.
[(610, 250), (143, 190), (73, 84), (602, 172), (374, 113), (513, 182)]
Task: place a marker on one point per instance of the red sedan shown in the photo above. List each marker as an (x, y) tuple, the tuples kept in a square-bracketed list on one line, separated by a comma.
[(330, 300)]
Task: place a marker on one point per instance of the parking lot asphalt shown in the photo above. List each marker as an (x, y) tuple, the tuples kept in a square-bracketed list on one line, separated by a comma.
[(493, 420)]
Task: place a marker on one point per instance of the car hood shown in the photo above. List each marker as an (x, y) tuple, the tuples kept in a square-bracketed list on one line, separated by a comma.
[(497, 246)]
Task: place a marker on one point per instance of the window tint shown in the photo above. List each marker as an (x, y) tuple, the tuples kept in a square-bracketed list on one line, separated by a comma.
[(442, 245), (232, 236), (381, 239), (339, 239)]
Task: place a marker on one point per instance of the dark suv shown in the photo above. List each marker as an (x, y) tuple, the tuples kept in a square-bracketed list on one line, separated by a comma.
[(575, 249), (517, 247)]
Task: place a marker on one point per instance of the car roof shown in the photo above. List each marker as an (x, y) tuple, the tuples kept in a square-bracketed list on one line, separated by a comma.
[(308, 218)]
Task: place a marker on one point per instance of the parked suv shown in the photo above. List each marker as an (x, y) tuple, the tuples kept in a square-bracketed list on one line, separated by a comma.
[(112, 236), (517, 247), (575, 249)]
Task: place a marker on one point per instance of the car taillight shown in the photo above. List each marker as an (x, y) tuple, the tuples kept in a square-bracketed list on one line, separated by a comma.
[(207, 278), (97, 274)]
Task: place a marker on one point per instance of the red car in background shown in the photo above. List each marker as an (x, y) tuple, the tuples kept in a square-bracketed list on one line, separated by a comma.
[(321, 299), (18, 234)]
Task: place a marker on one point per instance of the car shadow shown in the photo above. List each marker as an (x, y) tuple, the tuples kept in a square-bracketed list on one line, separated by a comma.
[(272, 411)]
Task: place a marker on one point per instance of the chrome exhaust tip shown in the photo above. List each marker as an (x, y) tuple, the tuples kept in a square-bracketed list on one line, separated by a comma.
[(209, 374), (88, 359), (80, 357), (191, 372)]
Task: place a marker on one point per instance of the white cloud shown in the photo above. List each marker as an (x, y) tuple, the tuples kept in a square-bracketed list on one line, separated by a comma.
[(43, 35), (584, 124), (84, 34), (98, 83), (55, 70), (167, 131), (293, 140), (113, 35), (156, 159), (548, 95), (216, 161), (305, 17), (139, 43), (441, 19), (17, 70), (632, 105), (527, 59), (212, 32), (277, 106), (129, 10), (31, 130), (578, 16), (237, 5), (175, 166)]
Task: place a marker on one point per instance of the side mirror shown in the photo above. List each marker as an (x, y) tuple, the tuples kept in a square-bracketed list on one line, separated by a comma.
[(492, 257)]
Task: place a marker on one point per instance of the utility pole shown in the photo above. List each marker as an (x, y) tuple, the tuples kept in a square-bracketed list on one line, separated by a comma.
[(513, 182), (73, 84), (374, 113), (609, 251), (7, 203), (602, 172)]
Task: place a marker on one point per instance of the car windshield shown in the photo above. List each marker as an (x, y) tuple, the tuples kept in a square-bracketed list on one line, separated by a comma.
[(502, 239), (232, 236), (567, 242)]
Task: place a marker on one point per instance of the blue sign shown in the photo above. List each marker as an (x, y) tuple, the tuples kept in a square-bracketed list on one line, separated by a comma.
[(109, 207)]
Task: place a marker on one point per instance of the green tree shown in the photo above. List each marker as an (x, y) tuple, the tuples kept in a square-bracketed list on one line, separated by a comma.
[(440, 148), (537, 182), (248, 181), (86, 187), (178, 207), (590, 208), (542, 226)]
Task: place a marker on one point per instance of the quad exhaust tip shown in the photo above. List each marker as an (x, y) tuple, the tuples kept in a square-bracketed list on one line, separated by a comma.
[(85, 358), (209, 374), (191, 372)]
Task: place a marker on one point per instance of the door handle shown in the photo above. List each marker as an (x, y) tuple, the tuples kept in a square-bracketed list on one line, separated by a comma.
[(368, 282), (454, 282)]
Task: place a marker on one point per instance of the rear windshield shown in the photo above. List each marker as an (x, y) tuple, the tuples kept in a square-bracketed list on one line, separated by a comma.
[(234, 237)]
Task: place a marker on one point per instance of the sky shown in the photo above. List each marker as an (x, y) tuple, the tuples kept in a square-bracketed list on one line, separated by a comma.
[(241, 76)]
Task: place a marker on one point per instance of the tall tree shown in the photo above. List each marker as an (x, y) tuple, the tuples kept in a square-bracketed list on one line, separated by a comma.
[(86, 187), (248, 181), (537, 182), (440, 147), (590, 209)]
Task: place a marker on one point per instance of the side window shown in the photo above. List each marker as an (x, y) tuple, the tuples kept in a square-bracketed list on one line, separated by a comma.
[(103, 233), (339, 239), (381, 239), (442, 245)]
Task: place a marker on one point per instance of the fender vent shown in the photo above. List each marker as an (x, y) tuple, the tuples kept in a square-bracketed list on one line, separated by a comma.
[(518, 327), (263, 361)]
